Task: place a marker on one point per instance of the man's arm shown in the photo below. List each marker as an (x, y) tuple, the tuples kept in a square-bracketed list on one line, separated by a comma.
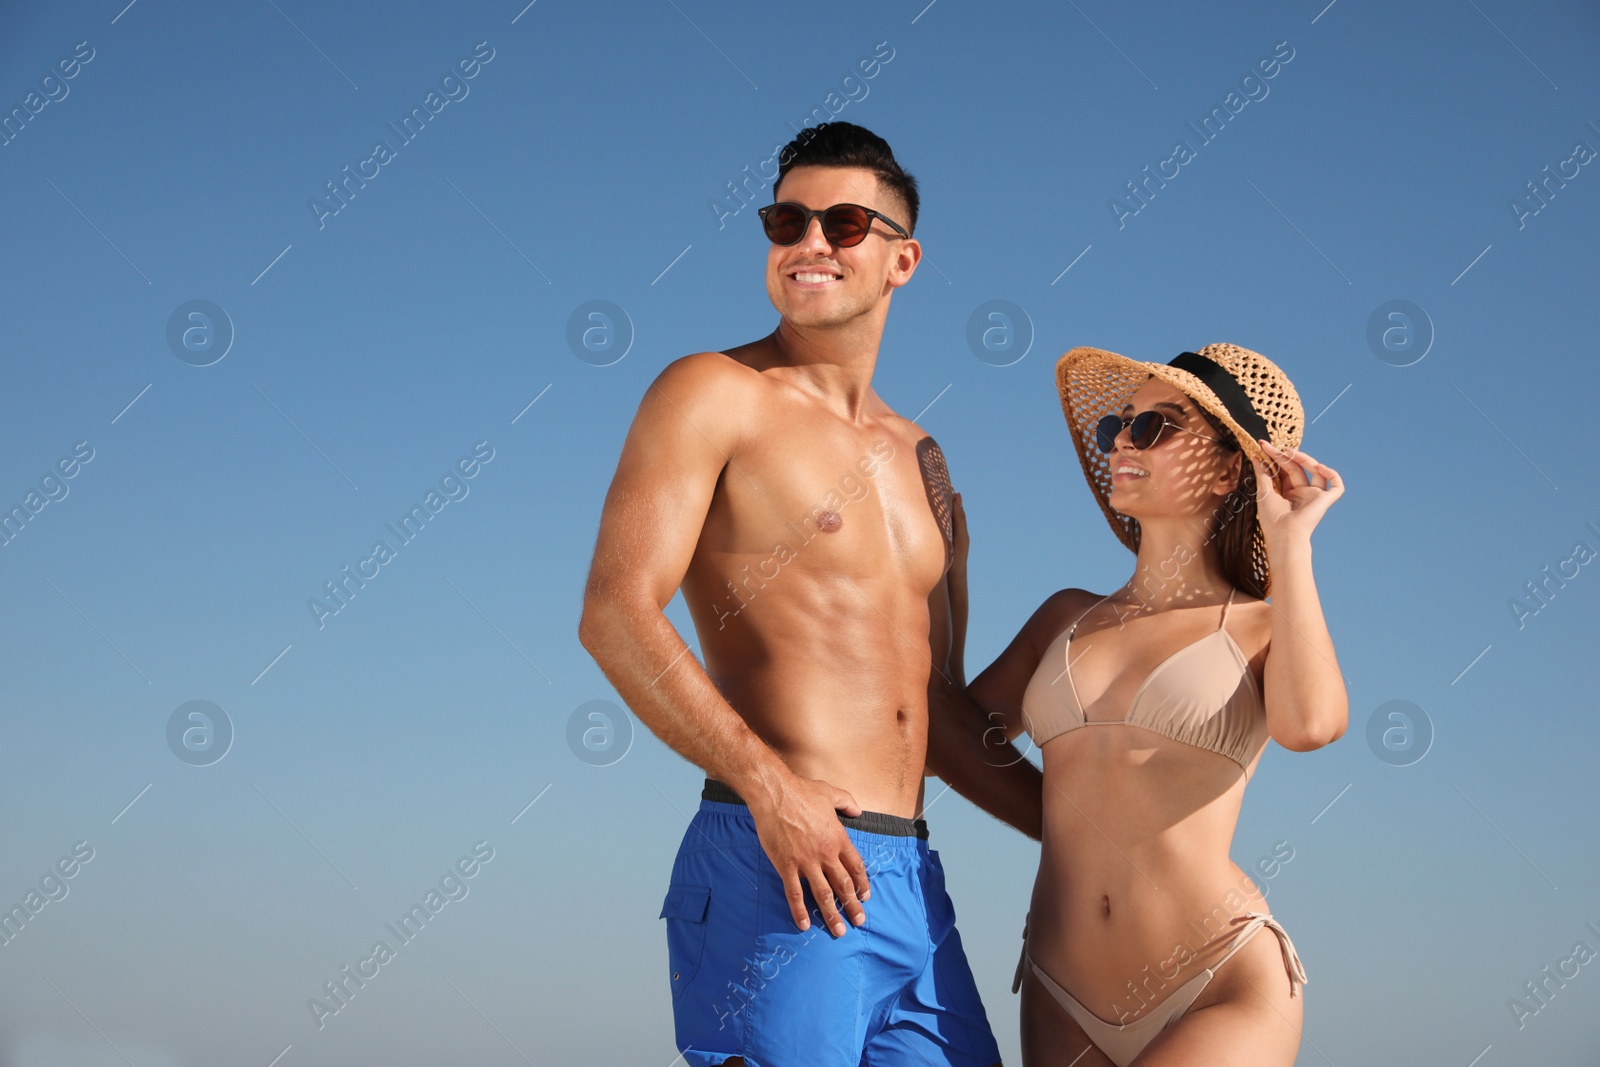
[(687, 430)]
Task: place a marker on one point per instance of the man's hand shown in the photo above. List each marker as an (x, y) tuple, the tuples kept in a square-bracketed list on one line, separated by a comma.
[(803, 838)]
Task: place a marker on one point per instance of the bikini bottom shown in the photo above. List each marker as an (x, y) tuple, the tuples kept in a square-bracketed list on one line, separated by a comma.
[(1123, 1043)]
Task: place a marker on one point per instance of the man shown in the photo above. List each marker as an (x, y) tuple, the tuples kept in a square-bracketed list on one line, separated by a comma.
[(809, 528)]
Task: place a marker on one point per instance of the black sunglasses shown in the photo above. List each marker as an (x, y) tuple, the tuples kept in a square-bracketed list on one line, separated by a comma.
[(844, 225), (1147, 427)]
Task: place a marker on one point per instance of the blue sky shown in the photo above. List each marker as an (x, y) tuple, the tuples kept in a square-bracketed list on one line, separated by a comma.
[(373, 349)]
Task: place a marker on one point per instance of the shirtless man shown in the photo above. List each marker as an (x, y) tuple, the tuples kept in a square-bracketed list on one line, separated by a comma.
[(809, 527)]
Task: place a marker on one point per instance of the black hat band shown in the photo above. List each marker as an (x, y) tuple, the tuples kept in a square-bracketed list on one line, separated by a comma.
[(1228, 390)]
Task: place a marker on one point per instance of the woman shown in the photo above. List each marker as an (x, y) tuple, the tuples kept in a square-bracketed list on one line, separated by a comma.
[(1141, 945)]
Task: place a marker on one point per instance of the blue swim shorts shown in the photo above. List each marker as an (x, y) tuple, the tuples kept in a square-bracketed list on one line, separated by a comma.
[(893, 992)]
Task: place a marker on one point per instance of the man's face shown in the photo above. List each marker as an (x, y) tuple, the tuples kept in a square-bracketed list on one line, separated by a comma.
[(814, 283)]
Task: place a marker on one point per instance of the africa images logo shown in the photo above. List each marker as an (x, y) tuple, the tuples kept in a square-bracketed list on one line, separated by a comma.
[(454, 89)]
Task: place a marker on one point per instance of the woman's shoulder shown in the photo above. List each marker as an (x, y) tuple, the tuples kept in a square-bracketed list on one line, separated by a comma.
[(1010, 672), (1059, 611), (1250, 623)]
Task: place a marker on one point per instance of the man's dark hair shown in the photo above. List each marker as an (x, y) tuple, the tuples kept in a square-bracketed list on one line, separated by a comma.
[(844, 144)]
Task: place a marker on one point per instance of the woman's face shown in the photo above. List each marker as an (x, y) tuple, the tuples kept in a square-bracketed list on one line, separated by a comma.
[(1181, 476)]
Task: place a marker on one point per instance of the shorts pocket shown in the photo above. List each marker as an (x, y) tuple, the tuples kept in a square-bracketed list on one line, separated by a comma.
[(936, 902), (685, 911)]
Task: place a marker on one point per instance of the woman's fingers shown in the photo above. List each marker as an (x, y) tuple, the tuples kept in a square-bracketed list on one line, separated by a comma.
[(1306, 464), (958, 517), (1335, 486), (1277, 462), (1278, 473), (1293, 460)]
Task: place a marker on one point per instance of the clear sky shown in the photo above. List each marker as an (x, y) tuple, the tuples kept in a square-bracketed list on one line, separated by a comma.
[(355, 351)]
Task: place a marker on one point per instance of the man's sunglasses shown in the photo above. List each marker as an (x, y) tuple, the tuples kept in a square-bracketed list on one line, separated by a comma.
[(1146, 429), (844, 225)]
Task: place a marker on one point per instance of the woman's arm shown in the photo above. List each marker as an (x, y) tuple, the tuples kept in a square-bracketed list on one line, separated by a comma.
[(1307, 706), (999, 688), (996, 695), (958, 596), (970, 728)]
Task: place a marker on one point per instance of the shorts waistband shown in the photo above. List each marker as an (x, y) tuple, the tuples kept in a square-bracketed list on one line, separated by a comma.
[(872, 822)]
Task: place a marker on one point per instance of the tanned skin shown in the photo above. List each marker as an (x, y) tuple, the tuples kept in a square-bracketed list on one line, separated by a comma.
[(1138, 827), (809, 528)]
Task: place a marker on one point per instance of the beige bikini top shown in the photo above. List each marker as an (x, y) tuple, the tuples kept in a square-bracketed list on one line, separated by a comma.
[(1202, 695)]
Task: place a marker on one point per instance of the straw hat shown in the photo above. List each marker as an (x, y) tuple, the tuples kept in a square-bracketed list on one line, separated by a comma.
[(1245, 391)]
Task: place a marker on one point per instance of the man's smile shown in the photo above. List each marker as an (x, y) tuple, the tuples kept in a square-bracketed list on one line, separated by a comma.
[(814, 277)]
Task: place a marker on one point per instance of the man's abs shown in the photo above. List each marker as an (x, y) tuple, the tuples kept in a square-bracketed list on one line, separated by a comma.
[(842, 699)]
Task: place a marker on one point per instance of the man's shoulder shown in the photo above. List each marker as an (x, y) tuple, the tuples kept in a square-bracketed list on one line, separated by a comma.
[(707, 369), (707, 383), (909, 434), (909, 427)]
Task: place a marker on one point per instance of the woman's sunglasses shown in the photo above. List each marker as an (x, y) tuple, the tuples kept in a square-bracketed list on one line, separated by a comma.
[(1146, 429), (844, 225)]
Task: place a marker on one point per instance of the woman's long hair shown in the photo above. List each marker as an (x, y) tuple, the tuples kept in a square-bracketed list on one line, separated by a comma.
[(1234, 522)]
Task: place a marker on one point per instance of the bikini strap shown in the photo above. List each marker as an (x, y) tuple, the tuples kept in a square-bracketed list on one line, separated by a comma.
[(1291, 958), (1225, 607)]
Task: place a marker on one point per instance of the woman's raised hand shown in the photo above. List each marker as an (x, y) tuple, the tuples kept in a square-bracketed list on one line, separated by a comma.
[(1289, 500)]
